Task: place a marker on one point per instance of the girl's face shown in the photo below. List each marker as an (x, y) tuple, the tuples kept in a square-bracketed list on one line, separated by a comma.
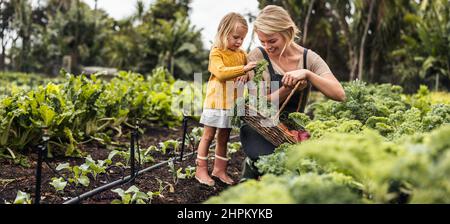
[(273, 43), (236, 38)]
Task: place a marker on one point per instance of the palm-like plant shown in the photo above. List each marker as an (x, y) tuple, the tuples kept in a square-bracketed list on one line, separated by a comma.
[(427, 45), (7, 13), (176, 38), (386, 23), (23, 23)]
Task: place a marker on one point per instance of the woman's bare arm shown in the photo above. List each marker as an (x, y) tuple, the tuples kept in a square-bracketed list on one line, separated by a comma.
[(326, 83)]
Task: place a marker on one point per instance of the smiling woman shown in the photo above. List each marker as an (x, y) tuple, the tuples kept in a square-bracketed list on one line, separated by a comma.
[(289, 64)]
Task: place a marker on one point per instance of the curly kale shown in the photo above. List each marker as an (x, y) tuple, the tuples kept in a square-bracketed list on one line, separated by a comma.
[(261, 66)]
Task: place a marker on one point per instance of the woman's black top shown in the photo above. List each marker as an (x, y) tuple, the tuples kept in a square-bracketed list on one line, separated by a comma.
[(255, 145)]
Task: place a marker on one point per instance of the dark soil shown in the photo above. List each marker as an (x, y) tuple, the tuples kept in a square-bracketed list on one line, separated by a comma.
[(15, 177)]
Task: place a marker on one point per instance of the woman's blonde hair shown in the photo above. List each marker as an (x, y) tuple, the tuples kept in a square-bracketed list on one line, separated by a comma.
[(227, 25), (274, 19)]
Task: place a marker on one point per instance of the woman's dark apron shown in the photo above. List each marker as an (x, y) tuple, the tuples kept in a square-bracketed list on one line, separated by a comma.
[(253, 144)]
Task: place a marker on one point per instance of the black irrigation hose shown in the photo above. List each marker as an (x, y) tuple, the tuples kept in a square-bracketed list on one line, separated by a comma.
[(105, 187), (135, 142), (77, 193), (41, 151), (138, 149), (185, 120)]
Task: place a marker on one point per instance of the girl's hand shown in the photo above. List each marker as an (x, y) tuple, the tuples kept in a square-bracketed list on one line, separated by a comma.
[(290, 79), (251, 65), (243, 78)]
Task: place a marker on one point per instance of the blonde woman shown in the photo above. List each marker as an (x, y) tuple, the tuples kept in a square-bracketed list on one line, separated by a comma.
[(227, 63), (289, 63)]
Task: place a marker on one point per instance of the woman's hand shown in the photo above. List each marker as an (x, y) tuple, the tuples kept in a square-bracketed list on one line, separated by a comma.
[(290, 79), (251, 65)]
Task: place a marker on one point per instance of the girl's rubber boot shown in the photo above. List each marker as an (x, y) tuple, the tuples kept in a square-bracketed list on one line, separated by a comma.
[(201, 171), (220, 170)]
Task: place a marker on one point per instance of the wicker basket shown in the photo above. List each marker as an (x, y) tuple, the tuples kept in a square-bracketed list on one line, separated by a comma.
[(276, 134)]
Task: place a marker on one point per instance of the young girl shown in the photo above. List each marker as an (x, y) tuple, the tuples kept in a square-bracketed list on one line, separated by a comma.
[(227, 62)]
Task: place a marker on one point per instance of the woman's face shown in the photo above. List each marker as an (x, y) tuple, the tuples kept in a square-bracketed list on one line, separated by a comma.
[(236, 38), (273, 43)]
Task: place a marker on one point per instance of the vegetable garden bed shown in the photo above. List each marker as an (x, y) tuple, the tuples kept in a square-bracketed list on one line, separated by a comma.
[(188, 190)]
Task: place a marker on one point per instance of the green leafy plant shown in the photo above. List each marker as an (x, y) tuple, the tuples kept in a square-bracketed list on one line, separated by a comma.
[(189, 172), (261, 66), (130, 196), (233, 147), (80, 174), (22, 198), (58, 183), (354, 168), (169, 144), (81, 108)]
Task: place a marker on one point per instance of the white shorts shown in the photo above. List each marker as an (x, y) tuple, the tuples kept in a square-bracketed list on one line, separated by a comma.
[(217, 118)]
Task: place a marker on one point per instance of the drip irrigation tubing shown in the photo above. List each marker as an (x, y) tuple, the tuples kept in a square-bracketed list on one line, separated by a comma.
[(105, 187)]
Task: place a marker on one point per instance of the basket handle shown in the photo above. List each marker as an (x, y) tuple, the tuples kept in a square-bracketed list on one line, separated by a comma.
[(287, 100)]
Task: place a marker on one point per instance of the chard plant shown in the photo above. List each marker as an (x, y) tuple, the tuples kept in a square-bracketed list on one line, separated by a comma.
[(233, 147), (169, 144), (145, 155), (58, 183), (79, 174), (180, 173), (80, 109), (21, 198), (163, 186), (195, 136), (134, 196), (130, 196)]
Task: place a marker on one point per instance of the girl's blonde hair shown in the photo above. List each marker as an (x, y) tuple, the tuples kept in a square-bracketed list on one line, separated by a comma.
[(227, 25), (274, 19)]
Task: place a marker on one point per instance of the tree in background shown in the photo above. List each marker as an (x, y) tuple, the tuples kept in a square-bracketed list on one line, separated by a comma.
[(180, 47), (22, 23), (385, 37), (424, 55), (399, 41), (361, 38), (324, 29), (177, 41), (74, 31), (161, 35), (6, 17), (70, 31), (59, 28)]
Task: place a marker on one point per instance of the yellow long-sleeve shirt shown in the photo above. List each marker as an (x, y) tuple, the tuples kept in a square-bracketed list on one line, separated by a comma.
[(224, 65)]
